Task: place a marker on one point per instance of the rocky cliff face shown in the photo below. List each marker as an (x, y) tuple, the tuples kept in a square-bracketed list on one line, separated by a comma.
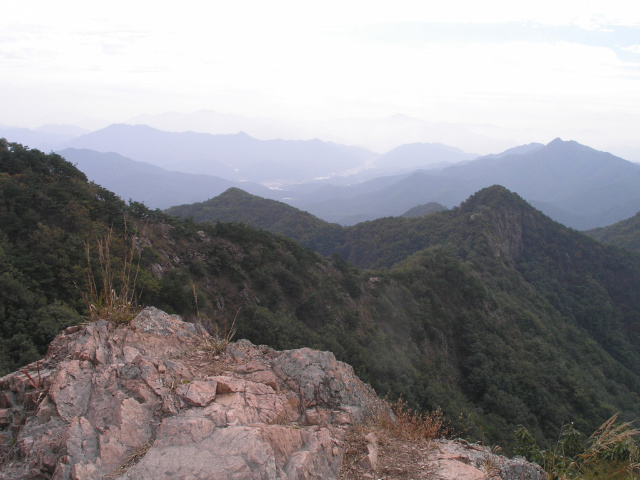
[(154, 400)]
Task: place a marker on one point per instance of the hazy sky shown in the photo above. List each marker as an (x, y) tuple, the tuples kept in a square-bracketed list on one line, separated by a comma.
[(555, 66)]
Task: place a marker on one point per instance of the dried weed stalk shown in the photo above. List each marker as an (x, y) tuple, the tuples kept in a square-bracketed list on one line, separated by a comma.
[(115, 299)]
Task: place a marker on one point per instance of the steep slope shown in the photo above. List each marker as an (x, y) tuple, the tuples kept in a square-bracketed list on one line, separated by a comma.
[(506, 279)]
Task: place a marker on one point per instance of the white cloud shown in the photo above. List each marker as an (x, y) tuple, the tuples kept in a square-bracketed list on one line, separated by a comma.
[(291, 58), (632, 49)]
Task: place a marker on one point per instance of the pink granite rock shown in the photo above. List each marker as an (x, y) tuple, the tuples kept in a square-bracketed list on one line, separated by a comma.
[(198, 393), (130, 402)]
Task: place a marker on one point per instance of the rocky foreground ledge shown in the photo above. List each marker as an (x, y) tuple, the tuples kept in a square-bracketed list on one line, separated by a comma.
[(154, 400)]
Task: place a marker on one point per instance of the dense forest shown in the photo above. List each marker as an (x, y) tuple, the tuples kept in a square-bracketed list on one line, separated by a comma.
[(490, 311), (624, 234)]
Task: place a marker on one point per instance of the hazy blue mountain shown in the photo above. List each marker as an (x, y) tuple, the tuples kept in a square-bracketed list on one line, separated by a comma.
[(377, 134), (413, 156), (234, 157), (399, 194), (44, 138), (576, 185), (519, 150), (210, 121), (154, 186), (575, 179)]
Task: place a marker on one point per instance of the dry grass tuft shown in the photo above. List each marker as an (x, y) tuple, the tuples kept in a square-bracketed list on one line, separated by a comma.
[(220, 339), (115, 299), (406, 424)]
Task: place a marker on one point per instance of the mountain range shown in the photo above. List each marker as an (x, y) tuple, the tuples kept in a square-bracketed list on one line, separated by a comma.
[(490, 311), (377, 134), (155, 186), (576, 185), (235, 156)]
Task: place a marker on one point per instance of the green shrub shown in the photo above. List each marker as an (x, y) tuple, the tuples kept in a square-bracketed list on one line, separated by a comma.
[(611, 452)]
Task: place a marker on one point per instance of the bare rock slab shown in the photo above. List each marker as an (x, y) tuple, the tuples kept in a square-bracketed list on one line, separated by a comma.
[(146, 401)]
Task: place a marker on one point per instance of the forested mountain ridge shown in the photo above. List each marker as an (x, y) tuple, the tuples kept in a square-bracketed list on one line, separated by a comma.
[(624, 234), (494, 311), (236, 205)]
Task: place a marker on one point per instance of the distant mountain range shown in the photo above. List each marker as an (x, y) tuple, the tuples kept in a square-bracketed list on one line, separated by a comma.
[(45, 138), (152, 185), (576, 185), (377, 134), (235, 157)]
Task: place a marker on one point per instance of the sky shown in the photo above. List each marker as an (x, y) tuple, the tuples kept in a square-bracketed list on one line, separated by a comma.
[(552, 68)]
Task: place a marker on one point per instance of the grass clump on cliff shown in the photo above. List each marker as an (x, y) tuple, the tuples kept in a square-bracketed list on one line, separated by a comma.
[(112, 297), (611, 452), (404, 423)]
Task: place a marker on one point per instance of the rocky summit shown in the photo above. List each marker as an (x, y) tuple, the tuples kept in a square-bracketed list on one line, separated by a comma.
[(159, 398)]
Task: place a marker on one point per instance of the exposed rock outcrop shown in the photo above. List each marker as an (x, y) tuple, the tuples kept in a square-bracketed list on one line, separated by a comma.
[(153, 400)]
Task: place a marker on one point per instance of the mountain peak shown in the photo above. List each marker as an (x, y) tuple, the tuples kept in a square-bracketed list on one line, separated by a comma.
[(494, 196), (566, 144)]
